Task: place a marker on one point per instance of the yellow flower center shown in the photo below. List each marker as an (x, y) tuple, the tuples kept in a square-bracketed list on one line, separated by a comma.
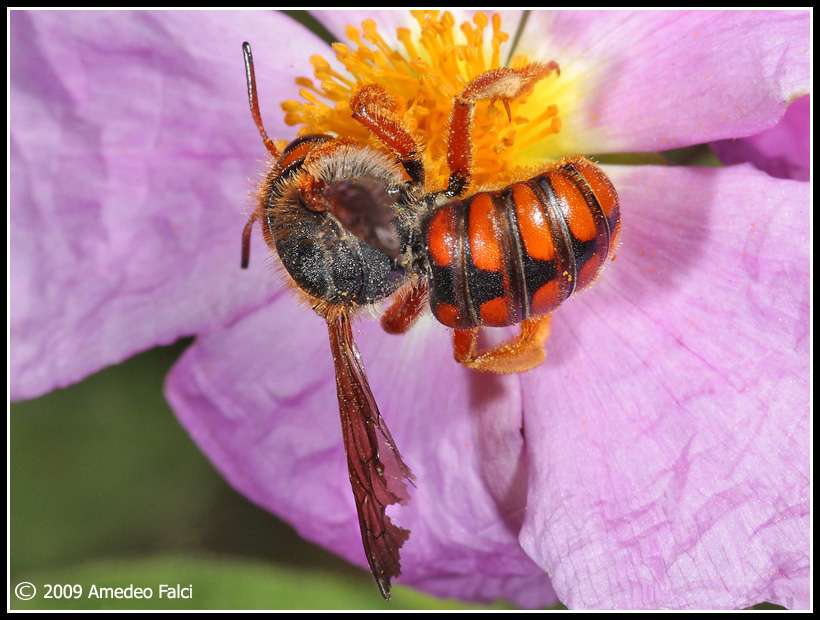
[(434, 66)]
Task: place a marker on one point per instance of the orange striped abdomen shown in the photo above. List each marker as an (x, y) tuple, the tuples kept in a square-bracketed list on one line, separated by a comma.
[(497, 258)]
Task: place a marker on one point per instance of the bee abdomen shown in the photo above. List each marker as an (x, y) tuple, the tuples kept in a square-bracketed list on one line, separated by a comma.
[(497, 258)]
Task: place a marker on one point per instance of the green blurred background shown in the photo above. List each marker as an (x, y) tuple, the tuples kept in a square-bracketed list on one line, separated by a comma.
[(106, 488)]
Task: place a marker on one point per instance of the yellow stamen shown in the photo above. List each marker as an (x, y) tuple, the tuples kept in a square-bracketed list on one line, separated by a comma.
[(424, 73)]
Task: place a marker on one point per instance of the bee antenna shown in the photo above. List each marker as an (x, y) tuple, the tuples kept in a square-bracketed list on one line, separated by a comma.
[(254, 101)]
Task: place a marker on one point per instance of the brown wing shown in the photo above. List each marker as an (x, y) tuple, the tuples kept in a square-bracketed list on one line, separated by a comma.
[(374, 464)]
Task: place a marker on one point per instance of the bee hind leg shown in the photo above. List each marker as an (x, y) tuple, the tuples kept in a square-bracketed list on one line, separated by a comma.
[(519, 354), (503, 84)]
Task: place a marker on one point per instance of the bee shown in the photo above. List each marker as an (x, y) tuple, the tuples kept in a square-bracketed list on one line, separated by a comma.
[(353, 226)]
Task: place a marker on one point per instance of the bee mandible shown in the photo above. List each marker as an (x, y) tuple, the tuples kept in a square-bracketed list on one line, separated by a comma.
[(353, 225)]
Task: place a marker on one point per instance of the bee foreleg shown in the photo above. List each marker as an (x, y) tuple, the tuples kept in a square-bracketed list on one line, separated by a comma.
[(374, 107), (246, 239)]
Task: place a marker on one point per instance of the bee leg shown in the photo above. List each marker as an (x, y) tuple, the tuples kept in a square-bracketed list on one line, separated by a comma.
[(406, 309), (246, 239), (503, 84), (522, 353), (374, 107)]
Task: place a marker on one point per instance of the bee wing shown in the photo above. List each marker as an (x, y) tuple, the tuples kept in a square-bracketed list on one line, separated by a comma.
[(375, 466)]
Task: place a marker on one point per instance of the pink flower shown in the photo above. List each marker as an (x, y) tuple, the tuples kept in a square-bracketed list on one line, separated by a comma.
[(659, 458), (782, 151)]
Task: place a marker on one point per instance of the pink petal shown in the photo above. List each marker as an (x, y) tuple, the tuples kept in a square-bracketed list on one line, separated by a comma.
[(700, 371), (668, 431), (131, 150), (782, 151), (649, 81)]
